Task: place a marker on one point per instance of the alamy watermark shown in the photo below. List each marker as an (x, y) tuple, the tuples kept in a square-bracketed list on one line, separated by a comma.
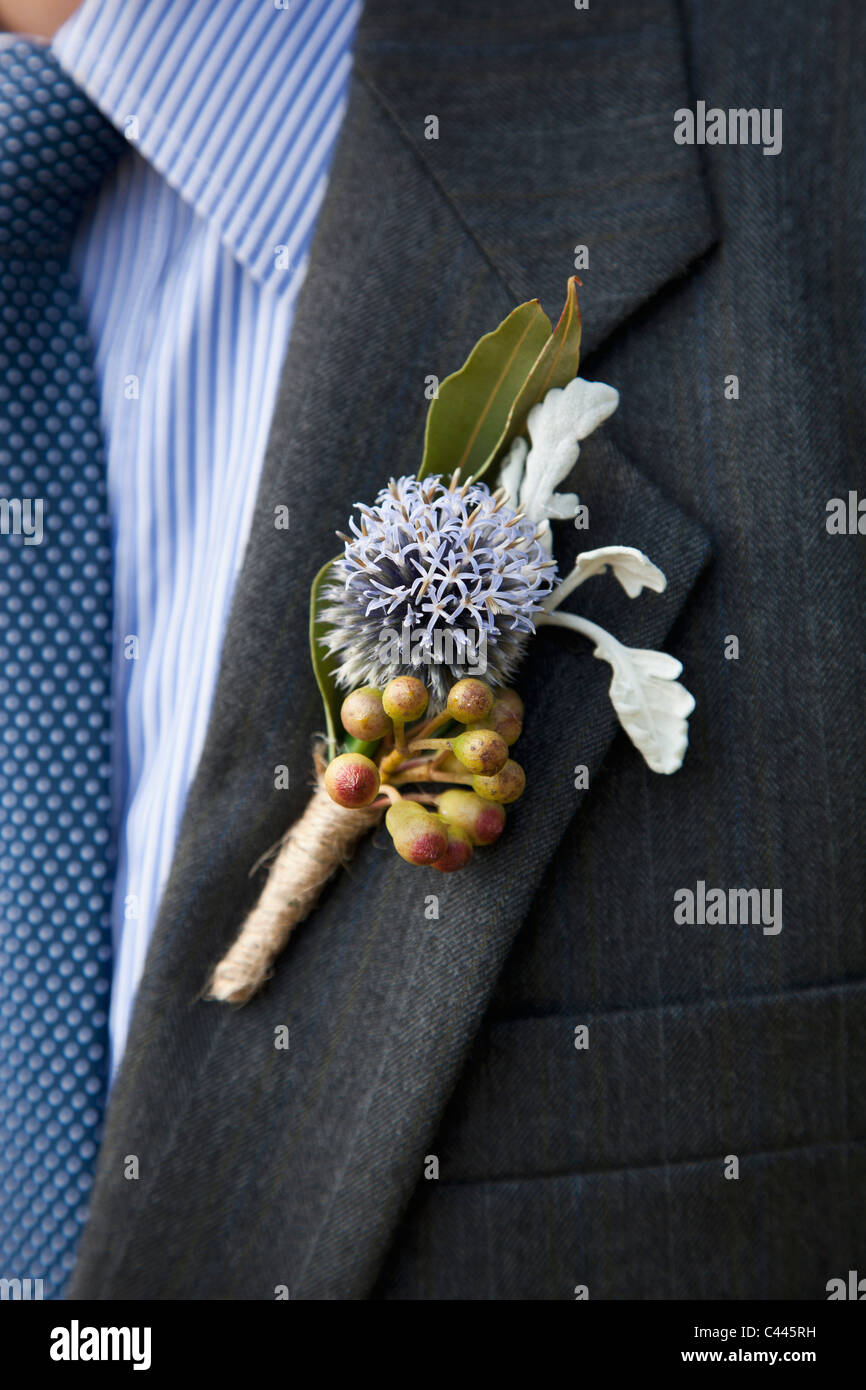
[(21, 1290), (736, 907), (22, 516), (738, 125), (77, 1343), (851, 1288), (450, 646)]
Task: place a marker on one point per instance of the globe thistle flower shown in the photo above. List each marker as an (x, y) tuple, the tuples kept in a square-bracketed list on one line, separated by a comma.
[(451, 571)]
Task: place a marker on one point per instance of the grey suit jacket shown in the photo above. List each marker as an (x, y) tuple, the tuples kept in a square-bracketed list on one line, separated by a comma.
[(606, 1166)]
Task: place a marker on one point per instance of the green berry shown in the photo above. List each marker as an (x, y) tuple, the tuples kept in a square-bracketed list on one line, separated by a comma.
[(363, 716), (504, 786), (503, 720), (352, 780), (449, 764), (419, 836), (458, 853), (404, 698), (469, 699), (512, 700), (483, 821), (481, 750)]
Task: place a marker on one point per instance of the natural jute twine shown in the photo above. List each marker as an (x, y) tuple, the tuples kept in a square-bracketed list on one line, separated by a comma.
[(315, 847)]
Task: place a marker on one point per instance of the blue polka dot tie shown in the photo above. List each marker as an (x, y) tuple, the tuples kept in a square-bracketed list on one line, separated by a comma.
[(55, 662)]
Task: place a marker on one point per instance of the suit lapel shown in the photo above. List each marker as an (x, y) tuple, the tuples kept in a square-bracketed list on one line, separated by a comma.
[(554, 134), (262, 1166)]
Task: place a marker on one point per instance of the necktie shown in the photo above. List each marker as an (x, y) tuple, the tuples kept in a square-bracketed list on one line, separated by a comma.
[(55, 662)]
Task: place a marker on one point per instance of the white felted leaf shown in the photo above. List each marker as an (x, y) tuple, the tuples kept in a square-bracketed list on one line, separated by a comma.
[(650, 703), (634, 570), (545, 536), (562, 506), (555, 426), (511, 471)]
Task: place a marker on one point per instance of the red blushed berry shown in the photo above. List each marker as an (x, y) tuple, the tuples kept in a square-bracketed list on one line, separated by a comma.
[(458, 853), (419, 837), (426, 848), (489, 824), (352, 780), (483, 821)]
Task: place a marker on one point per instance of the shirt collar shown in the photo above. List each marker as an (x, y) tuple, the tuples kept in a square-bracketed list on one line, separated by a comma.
[(237, 104)]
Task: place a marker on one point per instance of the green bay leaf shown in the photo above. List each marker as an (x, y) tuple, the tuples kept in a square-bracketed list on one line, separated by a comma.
[(557, 364), (466, 421)]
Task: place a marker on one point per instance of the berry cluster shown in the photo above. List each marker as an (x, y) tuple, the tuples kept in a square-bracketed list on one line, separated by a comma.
[(467, 743)]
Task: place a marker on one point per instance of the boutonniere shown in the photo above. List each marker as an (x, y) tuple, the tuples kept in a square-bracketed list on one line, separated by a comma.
[(419, 625)]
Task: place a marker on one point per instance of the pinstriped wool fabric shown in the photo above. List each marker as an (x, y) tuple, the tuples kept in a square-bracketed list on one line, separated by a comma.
[(189, 265)]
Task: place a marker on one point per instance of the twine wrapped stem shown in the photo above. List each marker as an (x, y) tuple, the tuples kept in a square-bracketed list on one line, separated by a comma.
[(315, 847)]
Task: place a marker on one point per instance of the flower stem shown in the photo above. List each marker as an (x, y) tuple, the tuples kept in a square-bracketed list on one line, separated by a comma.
[(427, 773), (431, 725), (442, 744), (566, 586), (390, 791), (571, 620)]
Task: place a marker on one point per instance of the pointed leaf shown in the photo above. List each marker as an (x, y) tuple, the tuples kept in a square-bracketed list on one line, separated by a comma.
[(557, 364), (466, 421)]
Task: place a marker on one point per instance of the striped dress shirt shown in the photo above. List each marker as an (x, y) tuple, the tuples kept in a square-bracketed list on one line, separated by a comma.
[(190, 263)]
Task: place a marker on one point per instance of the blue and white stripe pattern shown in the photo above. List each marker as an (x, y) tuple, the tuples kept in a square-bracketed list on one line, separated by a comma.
[(190, 264)]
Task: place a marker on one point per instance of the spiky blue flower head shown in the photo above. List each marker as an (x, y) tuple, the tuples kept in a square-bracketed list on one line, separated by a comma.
[(452, 571)]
